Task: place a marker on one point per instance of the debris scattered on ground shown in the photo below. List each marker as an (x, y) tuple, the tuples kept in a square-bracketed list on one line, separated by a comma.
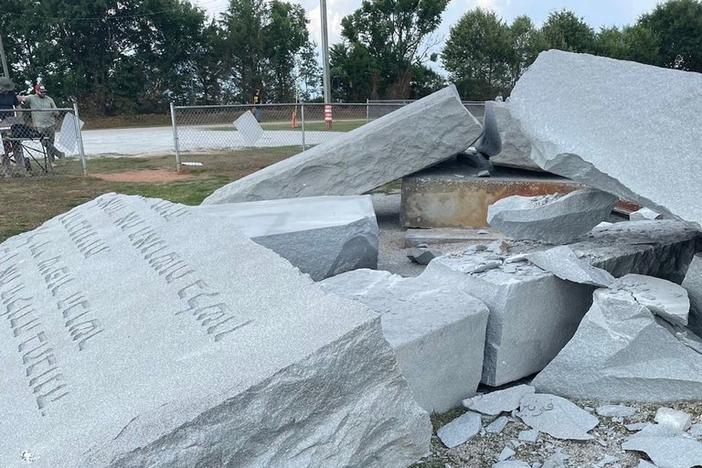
[(460, 430), (499, 401), (556, 416)]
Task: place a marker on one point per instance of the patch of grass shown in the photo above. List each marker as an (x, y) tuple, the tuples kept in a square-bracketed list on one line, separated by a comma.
[(28, 202)]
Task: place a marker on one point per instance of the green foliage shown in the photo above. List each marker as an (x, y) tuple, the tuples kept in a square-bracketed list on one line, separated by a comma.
[(565, 31), (388, 38)]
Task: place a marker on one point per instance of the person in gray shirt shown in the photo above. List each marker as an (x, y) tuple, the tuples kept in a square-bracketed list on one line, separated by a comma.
[(44, 121)]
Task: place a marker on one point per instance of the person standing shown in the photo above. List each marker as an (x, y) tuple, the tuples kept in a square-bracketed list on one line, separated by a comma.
[(8, 101), (43, 120)]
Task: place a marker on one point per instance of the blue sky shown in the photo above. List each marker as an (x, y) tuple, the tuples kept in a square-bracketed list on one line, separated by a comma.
[(596, 12)]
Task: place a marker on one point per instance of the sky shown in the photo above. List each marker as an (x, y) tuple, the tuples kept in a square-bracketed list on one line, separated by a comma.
[(596, 13)]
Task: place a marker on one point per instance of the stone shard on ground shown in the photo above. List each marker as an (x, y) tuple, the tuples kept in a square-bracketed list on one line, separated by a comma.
[(556, 416), (436, 330), (643, 213), (413, 137), (674, 419), (595, 120), (615, 411), (135, 334), (322, 236), (666, 447), (498, 425), (423, 256), (499, 401), (516, 147), (621, 352), (460, 430), (533, 314), (551, 218), (562, 262)]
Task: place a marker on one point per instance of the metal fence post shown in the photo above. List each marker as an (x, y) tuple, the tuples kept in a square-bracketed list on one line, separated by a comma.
[(302, 118), (367, 111), (79, 135), (175, 137)]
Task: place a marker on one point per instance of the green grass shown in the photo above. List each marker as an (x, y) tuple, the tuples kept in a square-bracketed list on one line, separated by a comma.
[(27, 202)]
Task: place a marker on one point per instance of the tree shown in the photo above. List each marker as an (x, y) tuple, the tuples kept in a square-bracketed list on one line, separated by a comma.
[(390, 37), (478, 55), (677, 28), (611, 42), (565, 31), (525, 44)]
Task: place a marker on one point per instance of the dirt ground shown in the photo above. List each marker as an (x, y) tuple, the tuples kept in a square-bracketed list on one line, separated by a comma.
[(152, 175)]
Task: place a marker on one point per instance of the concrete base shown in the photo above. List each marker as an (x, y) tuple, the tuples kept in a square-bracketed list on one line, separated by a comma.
[(450, 194)]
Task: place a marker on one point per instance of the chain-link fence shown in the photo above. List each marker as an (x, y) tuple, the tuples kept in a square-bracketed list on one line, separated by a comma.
[(277, 129), (38, 142)]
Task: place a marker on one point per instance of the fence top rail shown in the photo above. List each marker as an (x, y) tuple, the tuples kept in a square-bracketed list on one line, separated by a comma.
[(58, 109), (281, 104)]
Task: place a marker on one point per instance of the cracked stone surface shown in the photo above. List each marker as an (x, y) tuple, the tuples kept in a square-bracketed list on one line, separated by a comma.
[(411, 138), (622, 352), (516, 147), (551, 218), (322, 236), (593, 119), (136, 334), (437, 331), (533, 314)]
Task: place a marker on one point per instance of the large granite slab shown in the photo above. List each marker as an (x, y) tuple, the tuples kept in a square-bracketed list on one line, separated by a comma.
[(135, 334), (516, 147), (411, 138), (436, 330), (623, 127), (533, 314), (322, 236), (622, 352)]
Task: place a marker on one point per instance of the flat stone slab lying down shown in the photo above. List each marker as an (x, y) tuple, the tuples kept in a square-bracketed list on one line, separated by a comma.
[(551, 218), (436, 330), (135, 334), (322, 236), (533, 313), (622, 352), (411, 138), (604, 122)]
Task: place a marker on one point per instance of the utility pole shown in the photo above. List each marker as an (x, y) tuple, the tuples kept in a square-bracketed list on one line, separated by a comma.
[(325, 52), (2, 59)]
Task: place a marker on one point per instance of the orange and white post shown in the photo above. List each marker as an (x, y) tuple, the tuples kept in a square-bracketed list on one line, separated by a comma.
[(328, 116)]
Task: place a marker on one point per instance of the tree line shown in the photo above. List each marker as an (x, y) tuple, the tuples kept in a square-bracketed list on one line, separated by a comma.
[(136, 56)]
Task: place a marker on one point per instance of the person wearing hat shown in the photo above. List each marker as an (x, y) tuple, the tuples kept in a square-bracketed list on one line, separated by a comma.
[(44, 121), (8, 101)]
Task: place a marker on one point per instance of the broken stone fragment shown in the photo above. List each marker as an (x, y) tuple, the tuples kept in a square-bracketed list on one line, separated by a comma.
[(675, 419), (554, 219), (643, 214), (666, 447), (436, 329), (173, 344), (615, 411), (460, 430), (562, 262), (533, 314), (499, 401), (511, 464), (423, 256), (556, 416), (620, 352), (693, 285), (505, 454), (516, 147), (530, 436), (411, 138), (322, 236), (663, 298), (498, 425), (588, 122)]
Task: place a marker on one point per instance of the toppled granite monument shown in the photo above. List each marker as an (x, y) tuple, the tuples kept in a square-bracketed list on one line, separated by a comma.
[(624, 350), (551, 218), (533, 314), (322, 236), (604, 122), (436, 330), (516, 147), (136, 334), (411, 138)]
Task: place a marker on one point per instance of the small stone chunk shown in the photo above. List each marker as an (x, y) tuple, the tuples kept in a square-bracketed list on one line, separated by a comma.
[(530, 436), (696, 430), (423, 256), (636, 426), (643, 214), (500, 401), (497, 425), (556, 416), (677, 420), (557, 460), (460, 430), (562, 262), (506, 454), (615, 411), (666, 446), (511, 464)]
